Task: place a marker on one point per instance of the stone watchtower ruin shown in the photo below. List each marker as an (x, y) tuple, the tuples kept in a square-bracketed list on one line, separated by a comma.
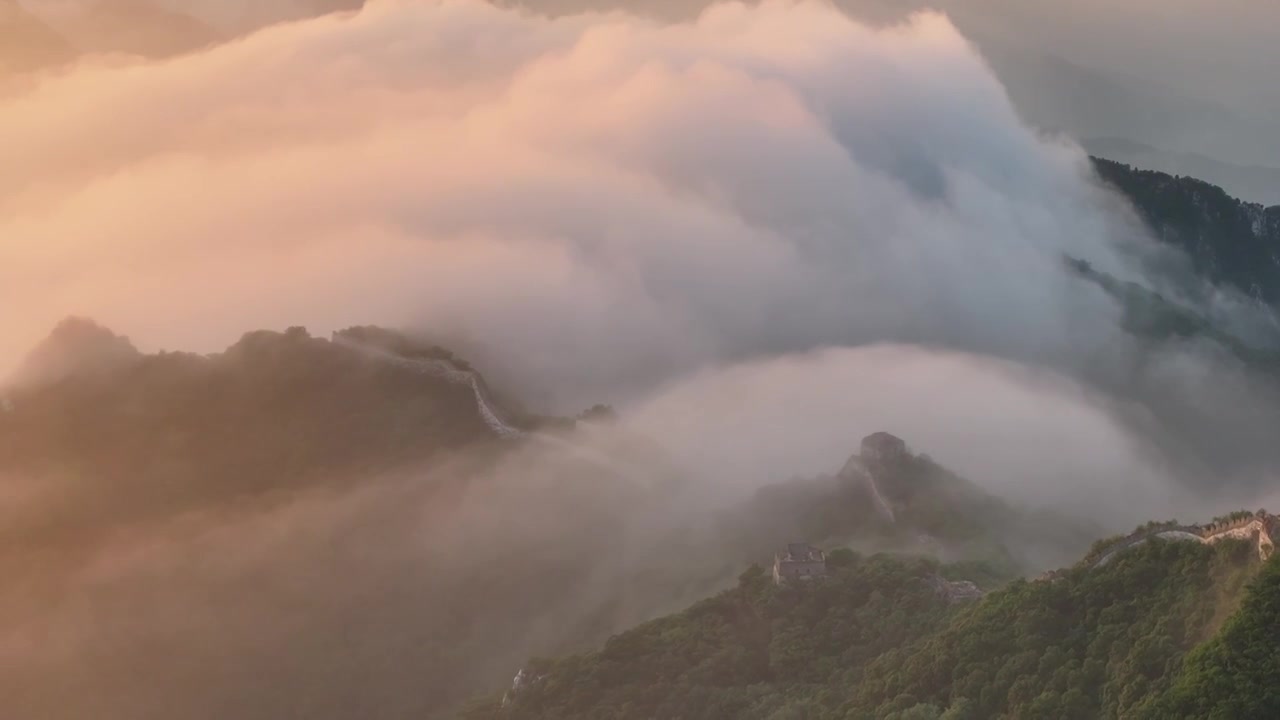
[(882, 449), (880, 456), (799, 562)]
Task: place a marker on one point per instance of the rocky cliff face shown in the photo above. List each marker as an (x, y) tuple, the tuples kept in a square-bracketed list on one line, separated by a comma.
[(1229, 242)]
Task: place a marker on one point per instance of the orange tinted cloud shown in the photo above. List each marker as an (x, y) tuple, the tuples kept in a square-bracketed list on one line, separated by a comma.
[(592, 186)]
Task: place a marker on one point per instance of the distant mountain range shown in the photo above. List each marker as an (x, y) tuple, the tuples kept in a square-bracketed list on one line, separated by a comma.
[(1256, 183)]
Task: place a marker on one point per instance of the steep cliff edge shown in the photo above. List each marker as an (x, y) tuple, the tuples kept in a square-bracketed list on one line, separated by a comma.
[(1229, 242)]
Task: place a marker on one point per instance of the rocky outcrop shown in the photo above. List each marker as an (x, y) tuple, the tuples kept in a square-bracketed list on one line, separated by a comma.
[(522, 682)]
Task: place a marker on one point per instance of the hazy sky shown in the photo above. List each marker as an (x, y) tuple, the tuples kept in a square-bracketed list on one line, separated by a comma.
[(1223, 51), (1216, 50), (1207, 64)]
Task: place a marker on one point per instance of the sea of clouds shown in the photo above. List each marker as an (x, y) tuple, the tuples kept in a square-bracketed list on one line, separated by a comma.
[(761, 234), (592, 205)]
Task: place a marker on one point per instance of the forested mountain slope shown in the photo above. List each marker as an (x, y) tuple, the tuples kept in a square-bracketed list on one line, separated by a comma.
[(876, 640), (1229, 242), (133, 436), (1233, 675)]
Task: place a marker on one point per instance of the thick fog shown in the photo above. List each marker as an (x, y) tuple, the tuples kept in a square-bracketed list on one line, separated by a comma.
[(1183, 87), (591, 205), (603, 197), (760, 234), (225, 17), (389, 598)]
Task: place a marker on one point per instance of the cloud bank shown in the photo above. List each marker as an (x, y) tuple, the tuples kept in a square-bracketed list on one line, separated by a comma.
[(592, 205), (85, 20), (605, 199)]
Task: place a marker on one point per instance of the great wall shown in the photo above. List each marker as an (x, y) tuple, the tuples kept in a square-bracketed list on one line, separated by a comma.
[(491, 412), (1258, 527), (878, 451), (855, 469), (449, 372)]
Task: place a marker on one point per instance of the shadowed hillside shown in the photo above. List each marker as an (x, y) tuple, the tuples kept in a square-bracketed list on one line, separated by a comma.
[(1230, 242), (133, 436)]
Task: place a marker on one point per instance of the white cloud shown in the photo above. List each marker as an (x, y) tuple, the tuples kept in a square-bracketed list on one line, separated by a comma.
[(602, 198), (1035, 438), (590, 205)]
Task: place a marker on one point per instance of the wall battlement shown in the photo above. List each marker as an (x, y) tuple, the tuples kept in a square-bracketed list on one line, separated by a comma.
[(1259, 527)]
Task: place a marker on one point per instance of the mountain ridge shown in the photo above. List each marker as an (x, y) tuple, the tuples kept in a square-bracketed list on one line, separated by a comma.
[(273, 411), (1228, 241), (279, 416), (811, 661)]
